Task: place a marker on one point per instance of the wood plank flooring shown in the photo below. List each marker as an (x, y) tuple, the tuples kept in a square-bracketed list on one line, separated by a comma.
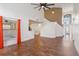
[(48, 47)]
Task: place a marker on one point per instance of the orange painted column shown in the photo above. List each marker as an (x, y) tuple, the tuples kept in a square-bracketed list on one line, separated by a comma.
[(18, 33), (1, 32)]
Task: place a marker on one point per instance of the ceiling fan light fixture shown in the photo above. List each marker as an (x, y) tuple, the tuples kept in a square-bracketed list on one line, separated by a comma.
[(42, 6)]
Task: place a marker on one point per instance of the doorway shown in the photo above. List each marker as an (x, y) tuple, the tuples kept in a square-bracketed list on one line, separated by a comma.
[(9, 31)]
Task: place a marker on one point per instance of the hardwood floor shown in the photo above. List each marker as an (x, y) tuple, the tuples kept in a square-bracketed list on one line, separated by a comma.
[(47, 47)]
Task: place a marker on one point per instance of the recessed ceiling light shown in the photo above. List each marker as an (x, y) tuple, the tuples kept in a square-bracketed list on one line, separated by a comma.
[(53, 12)]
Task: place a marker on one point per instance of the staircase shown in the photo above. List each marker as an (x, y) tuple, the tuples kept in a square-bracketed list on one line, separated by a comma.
[(51, 30), (59, 30)]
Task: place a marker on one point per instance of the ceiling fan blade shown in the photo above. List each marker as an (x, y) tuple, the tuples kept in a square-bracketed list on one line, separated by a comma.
[(44, 9), (34, 4), (39, 9), (48, 7), (50, 4), (36, 7)]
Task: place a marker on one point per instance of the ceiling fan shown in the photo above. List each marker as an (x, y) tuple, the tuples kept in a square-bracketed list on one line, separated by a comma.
[(43, 6)]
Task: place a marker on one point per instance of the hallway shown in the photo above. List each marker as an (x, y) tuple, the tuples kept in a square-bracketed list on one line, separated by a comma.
[(50, 47)]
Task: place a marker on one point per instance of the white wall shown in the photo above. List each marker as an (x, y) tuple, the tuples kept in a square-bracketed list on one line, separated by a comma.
[(76, 26), (48, 30)]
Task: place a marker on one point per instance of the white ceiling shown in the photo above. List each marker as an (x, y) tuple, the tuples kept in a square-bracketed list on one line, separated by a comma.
[(27, 10), (66, 6)]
